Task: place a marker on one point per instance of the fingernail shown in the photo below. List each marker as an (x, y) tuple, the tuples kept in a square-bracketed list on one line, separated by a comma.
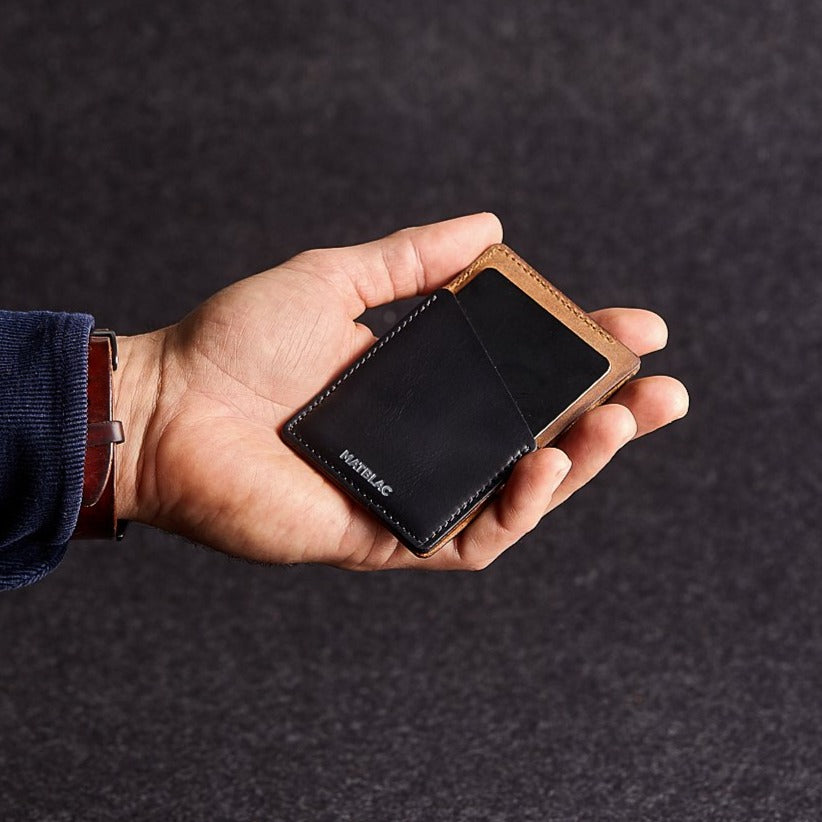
[(684, 403), (564, 469), (632, 433)]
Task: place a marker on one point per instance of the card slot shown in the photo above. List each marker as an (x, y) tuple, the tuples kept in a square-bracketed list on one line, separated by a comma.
[(420, 429), (546, 365), (488, 356)]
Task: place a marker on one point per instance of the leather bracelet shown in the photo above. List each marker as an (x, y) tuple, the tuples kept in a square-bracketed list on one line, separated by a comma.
[(98, 517)]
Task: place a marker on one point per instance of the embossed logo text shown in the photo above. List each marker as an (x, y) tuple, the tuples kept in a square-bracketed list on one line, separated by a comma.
[(359, 467)]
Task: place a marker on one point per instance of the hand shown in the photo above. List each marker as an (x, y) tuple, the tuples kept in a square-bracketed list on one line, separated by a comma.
[(202, 401)]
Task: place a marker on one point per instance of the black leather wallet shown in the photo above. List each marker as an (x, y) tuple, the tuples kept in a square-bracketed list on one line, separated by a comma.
[(429, 422)]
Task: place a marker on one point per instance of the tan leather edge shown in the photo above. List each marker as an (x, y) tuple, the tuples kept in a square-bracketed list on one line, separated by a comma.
[(623, 363)]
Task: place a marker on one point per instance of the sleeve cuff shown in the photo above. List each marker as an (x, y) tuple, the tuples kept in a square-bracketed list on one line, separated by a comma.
[(43, 412)]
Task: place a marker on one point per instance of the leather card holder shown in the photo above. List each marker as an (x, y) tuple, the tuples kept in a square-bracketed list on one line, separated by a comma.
[(422, 429)]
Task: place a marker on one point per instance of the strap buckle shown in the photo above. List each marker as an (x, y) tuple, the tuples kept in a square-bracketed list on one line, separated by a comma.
[(112, 338)]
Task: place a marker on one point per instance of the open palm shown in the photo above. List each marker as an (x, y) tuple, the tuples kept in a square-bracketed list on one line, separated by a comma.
[(203, 401)]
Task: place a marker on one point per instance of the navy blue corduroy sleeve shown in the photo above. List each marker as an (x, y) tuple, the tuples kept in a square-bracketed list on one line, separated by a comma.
[(43, 409)]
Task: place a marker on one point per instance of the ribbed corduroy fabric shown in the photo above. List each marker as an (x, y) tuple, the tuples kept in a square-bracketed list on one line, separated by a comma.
[(43, 408)]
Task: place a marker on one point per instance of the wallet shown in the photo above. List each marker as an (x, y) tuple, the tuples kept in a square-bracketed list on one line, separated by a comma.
[(429, 422)]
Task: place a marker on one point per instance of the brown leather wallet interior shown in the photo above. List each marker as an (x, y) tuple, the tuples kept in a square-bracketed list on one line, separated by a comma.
[(622, 362)]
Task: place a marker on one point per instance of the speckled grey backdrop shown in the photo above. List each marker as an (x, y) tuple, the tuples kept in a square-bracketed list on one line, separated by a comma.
[(654, 650)]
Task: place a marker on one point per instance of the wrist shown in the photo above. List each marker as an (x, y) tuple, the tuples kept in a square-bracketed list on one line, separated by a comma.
[(136, 386)]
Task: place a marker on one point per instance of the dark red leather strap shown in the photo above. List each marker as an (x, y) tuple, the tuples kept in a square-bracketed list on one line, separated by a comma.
[(98, 518)]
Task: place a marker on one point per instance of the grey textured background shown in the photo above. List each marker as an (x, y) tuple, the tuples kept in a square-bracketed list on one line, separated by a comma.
[(653, 651)]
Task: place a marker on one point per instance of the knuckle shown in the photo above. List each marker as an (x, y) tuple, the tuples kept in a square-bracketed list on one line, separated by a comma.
[(402, 258), (312, 259)]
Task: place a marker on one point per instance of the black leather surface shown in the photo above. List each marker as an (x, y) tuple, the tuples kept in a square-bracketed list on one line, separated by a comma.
[(423, 413), (545, 365)]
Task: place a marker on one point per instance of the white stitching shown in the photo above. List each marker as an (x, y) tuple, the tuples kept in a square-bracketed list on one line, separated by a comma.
[(523, 450), (319, 399), (539, 280), (355, 489), (359, 362)]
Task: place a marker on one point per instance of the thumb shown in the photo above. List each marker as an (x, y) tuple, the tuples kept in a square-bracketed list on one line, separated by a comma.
[(408, 262)]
